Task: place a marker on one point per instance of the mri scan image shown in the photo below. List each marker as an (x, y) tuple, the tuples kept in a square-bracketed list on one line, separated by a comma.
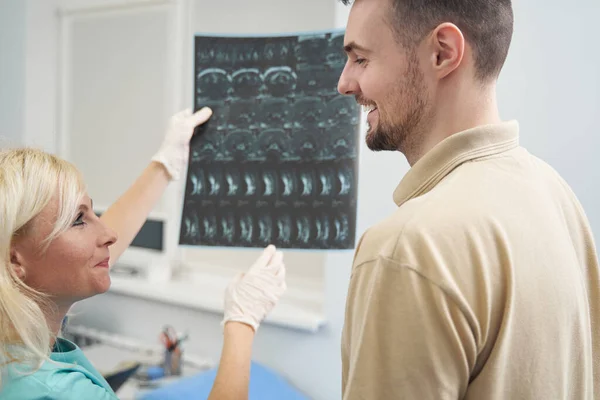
[(325, 184), (341, 108), (238, 144), (309, 80), (284, 228), (289, 184), (191, 225), (336, 58), (214, 83), (265, 229), (278, 160), (199, 186), (312, 50), (233, 178), (278, 52), (308, 184), (270, 184), (280, 81), (308, 112), (274, 144), (247, 82), (242, 114), (303, 231), (341, 226), (228, 225), (306, 144), (322, 229), (250, 183), (275, 113), (246, 228)]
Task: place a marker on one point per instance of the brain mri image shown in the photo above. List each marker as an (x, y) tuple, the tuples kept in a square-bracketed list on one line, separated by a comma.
[(340, 145), (275, 113), (309, 81), (239, 144), (342, 109), (307, 112), (280, 81), (247, 82), (335, 57), (312, 50), (242, 114), (209, 149), (273, 144), (277, 162), (306, 144), (214, 83), (278, 52)]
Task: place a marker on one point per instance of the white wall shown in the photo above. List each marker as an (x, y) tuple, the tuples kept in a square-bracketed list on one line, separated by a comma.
[(12, 74), (550, 84)]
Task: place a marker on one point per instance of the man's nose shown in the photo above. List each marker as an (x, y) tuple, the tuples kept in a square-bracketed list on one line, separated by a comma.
[(347, 85)]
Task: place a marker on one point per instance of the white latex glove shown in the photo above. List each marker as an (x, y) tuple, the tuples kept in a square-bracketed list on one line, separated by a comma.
[(175, 149), (252, 295)]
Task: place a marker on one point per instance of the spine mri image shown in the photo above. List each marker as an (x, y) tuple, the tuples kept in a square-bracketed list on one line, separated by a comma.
[(277, 163)]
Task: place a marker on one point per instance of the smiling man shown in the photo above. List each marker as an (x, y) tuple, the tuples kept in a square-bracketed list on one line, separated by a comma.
[(484, 283)]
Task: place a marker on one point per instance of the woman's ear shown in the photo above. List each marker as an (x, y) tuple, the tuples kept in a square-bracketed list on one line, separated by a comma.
[(16, 263)]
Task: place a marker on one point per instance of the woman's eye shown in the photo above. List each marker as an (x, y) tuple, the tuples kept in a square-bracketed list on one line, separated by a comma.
[(79, 220), (360, 61)]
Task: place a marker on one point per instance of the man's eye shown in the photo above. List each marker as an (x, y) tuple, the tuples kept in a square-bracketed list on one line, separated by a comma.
[(360, 61)]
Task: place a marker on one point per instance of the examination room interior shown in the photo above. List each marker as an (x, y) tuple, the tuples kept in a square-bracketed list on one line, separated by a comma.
[(96, 80)]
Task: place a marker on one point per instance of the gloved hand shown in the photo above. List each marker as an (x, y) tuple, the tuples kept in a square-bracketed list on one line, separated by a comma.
[(252, 295), (175, 149)]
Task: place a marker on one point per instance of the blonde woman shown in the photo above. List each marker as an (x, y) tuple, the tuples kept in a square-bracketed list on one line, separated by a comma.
[(55, 251)]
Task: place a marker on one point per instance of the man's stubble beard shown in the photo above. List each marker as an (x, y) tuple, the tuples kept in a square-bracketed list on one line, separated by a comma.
[(402, 131)]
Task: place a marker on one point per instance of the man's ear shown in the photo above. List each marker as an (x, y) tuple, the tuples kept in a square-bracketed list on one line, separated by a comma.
[(448, 49), (16, 263)]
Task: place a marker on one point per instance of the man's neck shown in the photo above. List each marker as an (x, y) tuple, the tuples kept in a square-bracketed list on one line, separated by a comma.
[(454, 115)]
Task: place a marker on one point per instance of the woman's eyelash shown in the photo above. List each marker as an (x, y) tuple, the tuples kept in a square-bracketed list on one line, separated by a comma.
[(79, 219)]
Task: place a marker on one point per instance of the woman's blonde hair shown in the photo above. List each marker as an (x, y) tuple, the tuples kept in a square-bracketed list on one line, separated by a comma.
[(29, 180)]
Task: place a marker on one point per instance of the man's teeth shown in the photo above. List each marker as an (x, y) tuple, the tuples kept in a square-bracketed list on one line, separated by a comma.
[(368, 108)]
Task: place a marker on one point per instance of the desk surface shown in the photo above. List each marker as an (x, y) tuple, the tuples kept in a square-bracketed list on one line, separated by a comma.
[(107, 358)]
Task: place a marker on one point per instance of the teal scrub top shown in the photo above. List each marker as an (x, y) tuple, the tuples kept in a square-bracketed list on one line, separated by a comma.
[(73, 378)]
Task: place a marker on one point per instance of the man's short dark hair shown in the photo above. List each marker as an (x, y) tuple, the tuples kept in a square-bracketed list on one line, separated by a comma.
[(486, 24)]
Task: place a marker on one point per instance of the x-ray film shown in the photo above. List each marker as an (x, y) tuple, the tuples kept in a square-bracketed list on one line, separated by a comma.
[(278, 161)]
